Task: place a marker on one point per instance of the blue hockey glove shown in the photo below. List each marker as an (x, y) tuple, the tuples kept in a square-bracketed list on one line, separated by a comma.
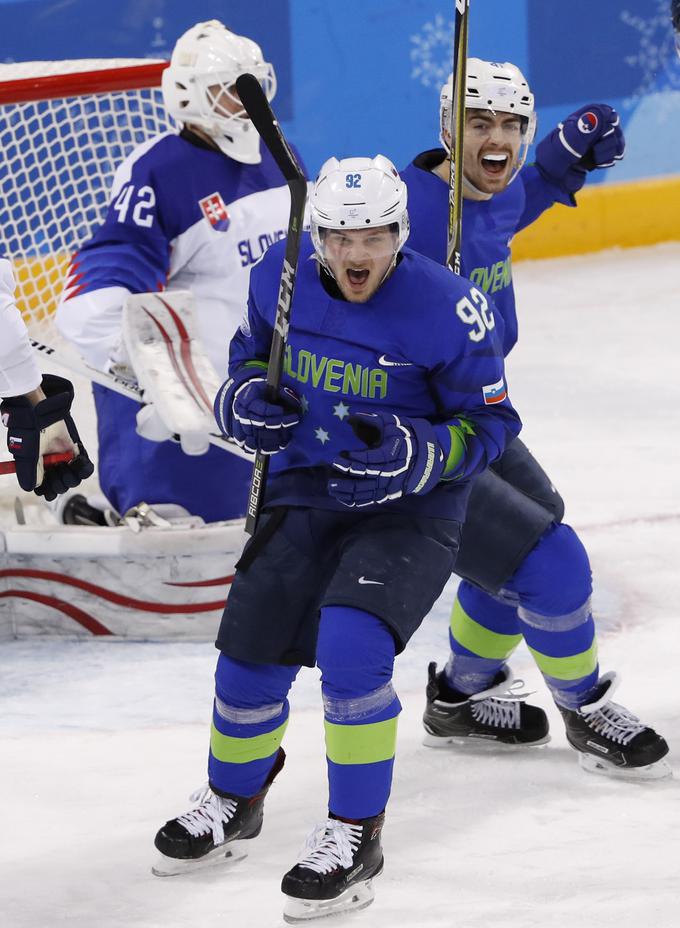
[(590, 138), (403, 456), (33, 431), (254, 423)]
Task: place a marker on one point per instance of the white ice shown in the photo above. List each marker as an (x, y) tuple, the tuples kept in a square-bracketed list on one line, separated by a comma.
[(101, 743)]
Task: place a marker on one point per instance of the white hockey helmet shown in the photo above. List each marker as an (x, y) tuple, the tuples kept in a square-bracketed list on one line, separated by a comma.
[(497, 86), (358, 193), (203, 68)]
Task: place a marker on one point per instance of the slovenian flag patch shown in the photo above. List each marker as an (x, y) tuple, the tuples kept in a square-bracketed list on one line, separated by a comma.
[(494, 392)]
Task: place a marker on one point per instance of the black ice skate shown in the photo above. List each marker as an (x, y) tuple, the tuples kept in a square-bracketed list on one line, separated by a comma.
[(212, 833), (612, 741), (336, 870), (495, 715)]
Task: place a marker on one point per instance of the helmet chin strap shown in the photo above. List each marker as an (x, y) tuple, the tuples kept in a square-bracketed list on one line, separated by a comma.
[(469, 187)]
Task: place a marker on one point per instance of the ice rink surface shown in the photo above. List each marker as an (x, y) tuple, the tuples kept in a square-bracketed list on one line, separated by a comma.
[(101, 742)]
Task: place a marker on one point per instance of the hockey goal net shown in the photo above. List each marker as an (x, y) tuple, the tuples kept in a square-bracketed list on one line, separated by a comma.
[(65, 127)]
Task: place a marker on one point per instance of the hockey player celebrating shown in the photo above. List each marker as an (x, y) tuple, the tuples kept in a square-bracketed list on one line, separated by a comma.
[(376, 431), (35, 409), (524, 572), (189, 211)]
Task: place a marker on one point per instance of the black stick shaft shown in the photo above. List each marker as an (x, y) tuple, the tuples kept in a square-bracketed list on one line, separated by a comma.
[(457, 129), (257, 106)]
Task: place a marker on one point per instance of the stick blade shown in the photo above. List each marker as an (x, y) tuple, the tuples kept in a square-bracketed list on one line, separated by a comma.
[(257, 107)]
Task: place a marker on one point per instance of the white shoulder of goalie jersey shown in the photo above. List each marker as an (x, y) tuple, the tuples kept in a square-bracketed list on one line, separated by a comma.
[(19, 372), (123, 173)]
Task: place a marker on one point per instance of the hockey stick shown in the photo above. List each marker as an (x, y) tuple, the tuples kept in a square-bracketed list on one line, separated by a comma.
[(457, 129), (61, 457), (257, 106), (118, 385)]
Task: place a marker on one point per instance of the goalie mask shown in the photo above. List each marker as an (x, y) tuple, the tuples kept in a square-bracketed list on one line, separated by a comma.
[(360, 193), (198, 86), (498, 87)]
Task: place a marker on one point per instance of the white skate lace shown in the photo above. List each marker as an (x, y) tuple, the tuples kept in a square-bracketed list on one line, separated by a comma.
[(614, 722), (332, 844), (501, 711), (211, 815)]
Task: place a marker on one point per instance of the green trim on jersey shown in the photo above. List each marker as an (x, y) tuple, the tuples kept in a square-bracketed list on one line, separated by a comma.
[(458, 435)]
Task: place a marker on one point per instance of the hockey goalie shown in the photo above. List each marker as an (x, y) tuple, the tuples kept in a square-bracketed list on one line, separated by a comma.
[(154, 297)]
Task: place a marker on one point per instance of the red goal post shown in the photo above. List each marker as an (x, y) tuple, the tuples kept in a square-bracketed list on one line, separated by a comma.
[(65, 126)]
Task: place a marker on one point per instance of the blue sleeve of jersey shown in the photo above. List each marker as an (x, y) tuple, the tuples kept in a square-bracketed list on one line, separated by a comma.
[(539, 195), (477, 417), (252, 342), (132, 248)]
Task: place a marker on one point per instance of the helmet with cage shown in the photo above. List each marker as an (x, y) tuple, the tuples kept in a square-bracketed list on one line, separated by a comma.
[(359, 193), (496, 86), (198, 86)]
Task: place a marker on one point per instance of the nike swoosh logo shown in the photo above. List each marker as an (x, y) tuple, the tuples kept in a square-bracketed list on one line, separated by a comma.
[(384, 362), (363, 581)]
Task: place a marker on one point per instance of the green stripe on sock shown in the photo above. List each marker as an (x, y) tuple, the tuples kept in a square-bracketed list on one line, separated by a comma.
[(479, 640), (231, 750), (361, 744), (567, 668)]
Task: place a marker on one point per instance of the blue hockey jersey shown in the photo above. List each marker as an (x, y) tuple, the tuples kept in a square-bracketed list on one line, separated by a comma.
[(424, 345), (488, 227)]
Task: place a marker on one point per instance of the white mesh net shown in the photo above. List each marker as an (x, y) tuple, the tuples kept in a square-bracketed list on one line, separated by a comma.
[(58, 153)]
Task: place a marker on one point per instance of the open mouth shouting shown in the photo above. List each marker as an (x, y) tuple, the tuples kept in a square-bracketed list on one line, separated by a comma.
[(357, 278), (495, 163)]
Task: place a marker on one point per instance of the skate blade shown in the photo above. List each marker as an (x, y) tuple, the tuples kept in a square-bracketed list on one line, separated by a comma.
[(224, 856), (300, 911), (481, 745), (661, 770)]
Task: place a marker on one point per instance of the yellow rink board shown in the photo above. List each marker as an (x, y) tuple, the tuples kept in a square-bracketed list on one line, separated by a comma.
[(608, 215), (39, 282)]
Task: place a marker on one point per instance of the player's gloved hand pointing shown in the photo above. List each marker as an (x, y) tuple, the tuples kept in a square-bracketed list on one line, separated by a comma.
[(590, 138), (47, 427), (403, 456), (256, 424)]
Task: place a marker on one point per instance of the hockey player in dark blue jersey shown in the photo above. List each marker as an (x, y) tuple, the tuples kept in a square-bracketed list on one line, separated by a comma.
[(524, 572), (375, 435), (193, 211)]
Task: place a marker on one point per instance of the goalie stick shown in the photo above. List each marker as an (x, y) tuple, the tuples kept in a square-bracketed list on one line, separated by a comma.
[(119, 385), (457, 129), (257, 106)]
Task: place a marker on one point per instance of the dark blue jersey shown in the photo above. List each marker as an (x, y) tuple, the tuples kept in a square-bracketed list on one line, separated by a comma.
[(488, 228), (424, 345)]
